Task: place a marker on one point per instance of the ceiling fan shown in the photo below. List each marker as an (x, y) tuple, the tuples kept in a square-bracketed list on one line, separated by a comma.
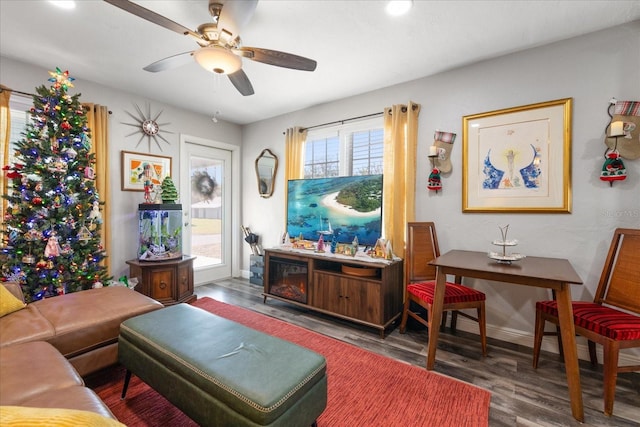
[(221, 49)]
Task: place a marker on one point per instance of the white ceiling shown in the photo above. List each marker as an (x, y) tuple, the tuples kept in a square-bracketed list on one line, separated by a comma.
[(357, 46)]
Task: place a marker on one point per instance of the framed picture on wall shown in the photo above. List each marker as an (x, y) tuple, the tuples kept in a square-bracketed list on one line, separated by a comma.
[(137, 167), (518, 159)]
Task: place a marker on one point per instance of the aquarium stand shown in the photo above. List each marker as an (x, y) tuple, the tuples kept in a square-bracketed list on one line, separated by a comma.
[(169, 282)]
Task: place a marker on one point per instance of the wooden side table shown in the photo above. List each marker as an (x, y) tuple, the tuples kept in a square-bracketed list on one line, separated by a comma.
[(169, 282)]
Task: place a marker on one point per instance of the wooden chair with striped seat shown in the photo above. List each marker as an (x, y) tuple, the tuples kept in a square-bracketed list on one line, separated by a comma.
[(613, 318), (422, 247)]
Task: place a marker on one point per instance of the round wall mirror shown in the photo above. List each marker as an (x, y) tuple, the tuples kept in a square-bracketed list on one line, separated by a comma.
[(266, 167)]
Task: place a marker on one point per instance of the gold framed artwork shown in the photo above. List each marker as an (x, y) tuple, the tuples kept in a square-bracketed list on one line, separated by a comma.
[(518, 159), (137, 167)]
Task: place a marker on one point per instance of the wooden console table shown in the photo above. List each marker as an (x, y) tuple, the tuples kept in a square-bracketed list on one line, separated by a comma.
[(322, 286), (169, 282), (552, 273)]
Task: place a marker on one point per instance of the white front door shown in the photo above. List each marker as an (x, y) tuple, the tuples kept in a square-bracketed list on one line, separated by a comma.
[(206, 183)]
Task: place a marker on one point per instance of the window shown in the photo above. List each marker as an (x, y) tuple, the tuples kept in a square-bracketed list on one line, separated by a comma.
[(19, 106), (19, 110), (353, 149)]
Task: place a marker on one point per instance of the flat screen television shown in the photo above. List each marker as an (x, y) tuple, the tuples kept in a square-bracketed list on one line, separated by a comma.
[(345, 207)]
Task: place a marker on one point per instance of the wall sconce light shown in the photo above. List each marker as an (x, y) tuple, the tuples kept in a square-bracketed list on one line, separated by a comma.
[(218, 60), (616, 129)]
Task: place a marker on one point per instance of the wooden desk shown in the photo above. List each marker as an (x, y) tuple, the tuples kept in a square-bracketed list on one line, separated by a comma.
[(552, 273)]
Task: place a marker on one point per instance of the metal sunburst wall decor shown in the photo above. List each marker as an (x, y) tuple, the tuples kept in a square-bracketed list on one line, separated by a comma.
[(148, 126)]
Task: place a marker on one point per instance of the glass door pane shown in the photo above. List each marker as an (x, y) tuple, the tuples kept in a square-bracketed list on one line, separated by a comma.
[(206, 197)]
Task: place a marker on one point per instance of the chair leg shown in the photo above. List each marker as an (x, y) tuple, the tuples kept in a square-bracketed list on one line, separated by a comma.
[(560, 348), (593, 356), (454, 321), (610, 376), (443, 323), (405, 315), (537, 340), (482, 322)]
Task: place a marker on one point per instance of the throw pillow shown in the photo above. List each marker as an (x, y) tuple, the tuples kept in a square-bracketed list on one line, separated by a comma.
[(8, 302), (14, 416)]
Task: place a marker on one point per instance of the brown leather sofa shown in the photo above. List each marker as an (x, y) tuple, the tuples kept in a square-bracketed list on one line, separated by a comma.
[(36, 375), (48, 346)]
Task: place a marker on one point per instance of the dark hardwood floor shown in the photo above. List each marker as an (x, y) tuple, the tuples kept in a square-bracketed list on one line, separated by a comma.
[(521, 396)]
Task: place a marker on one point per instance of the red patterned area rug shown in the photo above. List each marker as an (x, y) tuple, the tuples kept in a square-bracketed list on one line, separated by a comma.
[(364, 388)]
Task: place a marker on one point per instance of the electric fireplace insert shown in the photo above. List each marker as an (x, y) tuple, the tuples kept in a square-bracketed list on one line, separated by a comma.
[(288, 279)]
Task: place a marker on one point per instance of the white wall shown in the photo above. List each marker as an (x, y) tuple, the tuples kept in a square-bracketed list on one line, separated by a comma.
[(590, 69), (124, 204)]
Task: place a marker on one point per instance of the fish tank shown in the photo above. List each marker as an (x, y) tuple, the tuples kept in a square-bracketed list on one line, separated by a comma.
[(159, 231)]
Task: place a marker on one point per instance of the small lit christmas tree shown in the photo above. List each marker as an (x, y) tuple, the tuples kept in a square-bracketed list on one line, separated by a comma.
[(51, 238), (169, 192)]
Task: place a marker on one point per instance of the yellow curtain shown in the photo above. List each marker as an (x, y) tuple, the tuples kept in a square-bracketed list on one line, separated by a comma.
[(400, 146), (5, 135), (98, 122), (294, 146), (294, 140)]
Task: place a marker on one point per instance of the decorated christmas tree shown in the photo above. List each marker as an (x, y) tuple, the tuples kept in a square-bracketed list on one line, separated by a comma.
[(51, 231), (169, 192)]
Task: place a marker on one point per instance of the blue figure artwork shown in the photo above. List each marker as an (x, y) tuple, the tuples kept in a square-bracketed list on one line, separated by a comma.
[(531, 173), (493, 175), (512, 176)]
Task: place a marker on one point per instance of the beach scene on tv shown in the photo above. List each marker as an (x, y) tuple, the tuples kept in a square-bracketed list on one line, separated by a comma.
[(345, 207)]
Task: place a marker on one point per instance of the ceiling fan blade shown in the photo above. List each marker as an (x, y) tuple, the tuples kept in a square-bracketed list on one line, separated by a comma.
[(241, 82), (235, 14), (170, 62), (277, 58), (151, 16)]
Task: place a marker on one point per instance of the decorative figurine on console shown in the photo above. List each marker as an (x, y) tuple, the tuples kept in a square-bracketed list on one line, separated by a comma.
[(320, 246)]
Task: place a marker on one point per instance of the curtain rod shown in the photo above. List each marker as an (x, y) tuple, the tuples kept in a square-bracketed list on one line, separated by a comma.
[(2, 89), (342, 121), (413, 107), (339, 121)]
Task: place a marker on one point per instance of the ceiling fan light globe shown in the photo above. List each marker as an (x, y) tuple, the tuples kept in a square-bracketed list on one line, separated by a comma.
[(218, 60)]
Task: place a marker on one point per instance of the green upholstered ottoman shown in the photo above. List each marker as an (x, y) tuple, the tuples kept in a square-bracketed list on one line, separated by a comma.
[(221, 373)]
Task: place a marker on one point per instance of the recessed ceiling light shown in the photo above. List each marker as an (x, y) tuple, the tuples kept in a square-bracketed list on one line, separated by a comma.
[(399, 7), (64, 4)]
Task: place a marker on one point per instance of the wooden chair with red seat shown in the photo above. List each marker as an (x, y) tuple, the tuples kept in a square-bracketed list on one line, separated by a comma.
[(422, 247), (613, 318)]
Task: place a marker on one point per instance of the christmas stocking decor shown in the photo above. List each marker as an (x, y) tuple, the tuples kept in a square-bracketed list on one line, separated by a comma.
[(444, 142)]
